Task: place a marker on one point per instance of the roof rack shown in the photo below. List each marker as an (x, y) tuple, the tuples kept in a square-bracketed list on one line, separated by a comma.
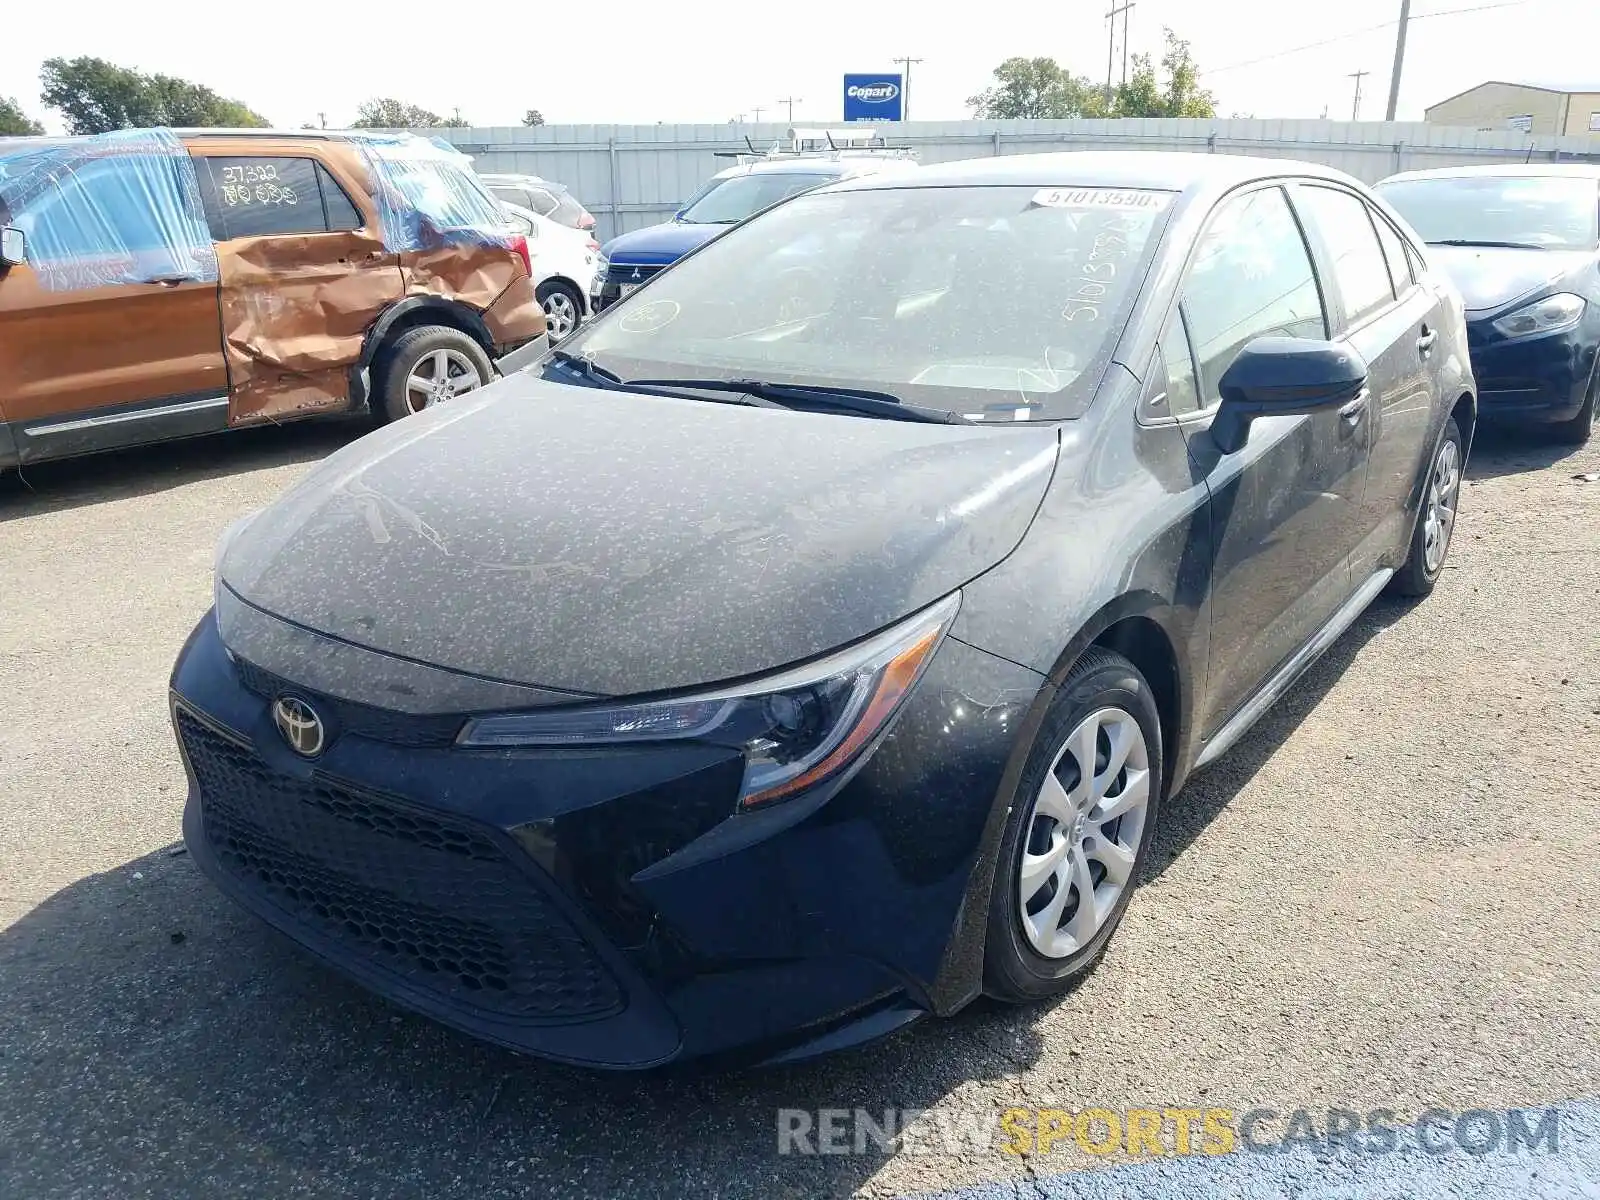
[(819, 143)]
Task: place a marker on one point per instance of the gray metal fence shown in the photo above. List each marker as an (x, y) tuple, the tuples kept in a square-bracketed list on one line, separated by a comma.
[(630, 176)]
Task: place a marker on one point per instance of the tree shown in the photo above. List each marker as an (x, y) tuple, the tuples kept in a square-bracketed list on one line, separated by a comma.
[(1040, 88), (14, 122), (96, 96), (1145, 95), (533, 117), (384, 113), (1033, 88)]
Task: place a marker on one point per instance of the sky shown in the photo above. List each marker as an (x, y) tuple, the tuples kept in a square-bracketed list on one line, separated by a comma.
[(639, 62)]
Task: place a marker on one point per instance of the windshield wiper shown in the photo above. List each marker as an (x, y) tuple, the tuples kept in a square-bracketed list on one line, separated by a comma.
[(1477, 242), (585, 366), (810, 395)]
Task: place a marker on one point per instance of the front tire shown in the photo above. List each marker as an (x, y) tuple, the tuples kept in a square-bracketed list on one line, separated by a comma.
[(1575, 432), (1436, 517), (429, 365), (1077, 835)]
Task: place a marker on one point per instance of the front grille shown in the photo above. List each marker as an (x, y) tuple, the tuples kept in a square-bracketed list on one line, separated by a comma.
[(632, 272), (432, 898), (398, 729)]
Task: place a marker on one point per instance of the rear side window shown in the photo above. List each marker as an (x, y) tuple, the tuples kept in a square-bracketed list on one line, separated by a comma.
[(1394, 252), (267, 195), (541, 201), (1345, 223), (512, 195), (1251, 277)]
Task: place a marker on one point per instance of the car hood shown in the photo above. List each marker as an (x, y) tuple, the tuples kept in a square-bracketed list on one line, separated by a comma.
[(1491, 276), (613, 543), (660, 243)]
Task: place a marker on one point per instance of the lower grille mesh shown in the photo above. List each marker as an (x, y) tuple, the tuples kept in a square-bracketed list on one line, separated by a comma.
[(431, 898)]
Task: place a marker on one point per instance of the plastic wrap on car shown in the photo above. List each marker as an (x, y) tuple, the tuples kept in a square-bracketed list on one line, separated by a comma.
[(428, 196), (123, 208)]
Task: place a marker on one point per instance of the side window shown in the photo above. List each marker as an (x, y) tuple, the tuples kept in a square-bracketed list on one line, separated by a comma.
[(106, 208), (341, 211), (1251, 277), (1176, 364), (541, 201), (1358, 264), (1394, 252), (510, 195), (260, 196)]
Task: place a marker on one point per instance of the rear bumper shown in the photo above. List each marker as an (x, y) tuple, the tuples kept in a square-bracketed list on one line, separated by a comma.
[(515, 317), (1534, 380), (604, 908)]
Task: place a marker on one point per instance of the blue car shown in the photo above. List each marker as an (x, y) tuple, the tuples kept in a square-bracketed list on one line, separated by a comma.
[(730, 196), (1522, 245)]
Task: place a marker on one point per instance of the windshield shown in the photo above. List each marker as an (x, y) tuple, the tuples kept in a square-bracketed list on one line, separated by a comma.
[(997, 303), (1544, 211), (726, 201)]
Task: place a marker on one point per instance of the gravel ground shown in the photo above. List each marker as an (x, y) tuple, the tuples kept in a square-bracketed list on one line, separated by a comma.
[(1383, 898)]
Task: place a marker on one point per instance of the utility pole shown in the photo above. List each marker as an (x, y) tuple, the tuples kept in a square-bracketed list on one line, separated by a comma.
[(790, 102), (1399, 60), (323, 118), (1111, 44), (1126, 9), (905, 87), (1355, 109), (758, 110)]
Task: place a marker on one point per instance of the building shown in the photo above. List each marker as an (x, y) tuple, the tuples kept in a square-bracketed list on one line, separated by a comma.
[(1525, 106)]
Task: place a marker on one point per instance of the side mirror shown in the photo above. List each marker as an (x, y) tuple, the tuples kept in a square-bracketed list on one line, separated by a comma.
[(1283, 376), (13, 247)]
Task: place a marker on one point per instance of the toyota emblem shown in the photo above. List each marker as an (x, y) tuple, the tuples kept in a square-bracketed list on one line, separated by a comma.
[(300, 726)]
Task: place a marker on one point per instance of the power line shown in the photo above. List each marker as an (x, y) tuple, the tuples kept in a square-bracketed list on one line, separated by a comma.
[(1354, 33)]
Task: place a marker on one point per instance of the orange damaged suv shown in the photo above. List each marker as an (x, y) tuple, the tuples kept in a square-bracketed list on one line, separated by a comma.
[(158, 283)]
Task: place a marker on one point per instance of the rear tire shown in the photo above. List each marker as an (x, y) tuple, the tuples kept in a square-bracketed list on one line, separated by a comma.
[(429, 365), (1040, 938), (1436, 516), (563, 309), (1576, 431)]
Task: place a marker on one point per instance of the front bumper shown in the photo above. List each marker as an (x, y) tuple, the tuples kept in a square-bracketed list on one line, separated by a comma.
[(607, 908), (1539, 379)]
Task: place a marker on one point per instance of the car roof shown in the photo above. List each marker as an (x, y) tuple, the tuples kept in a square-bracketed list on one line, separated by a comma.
[(844, 166), (1505, 171), (1162, 170)]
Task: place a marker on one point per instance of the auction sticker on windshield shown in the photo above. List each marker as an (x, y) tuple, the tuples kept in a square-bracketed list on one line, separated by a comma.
[(1125, 201)]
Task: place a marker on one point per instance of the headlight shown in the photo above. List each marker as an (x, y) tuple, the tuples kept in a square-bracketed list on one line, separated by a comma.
[(1542, 316), (796, 728), (602, 265)]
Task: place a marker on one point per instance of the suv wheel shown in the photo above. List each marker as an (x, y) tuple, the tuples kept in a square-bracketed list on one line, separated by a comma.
[(563, 309), (430, 365), (1079, 829)]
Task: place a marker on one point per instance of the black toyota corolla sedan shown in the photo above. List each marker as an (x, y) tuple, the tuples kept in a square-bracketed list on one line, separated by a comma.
[(813, 640), (1522, 243)]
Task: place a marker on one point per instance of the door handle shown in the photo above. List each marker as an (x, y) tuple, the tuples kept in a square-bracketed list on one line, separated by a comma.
[(168, 280), (1357, 408), (1426, 341)]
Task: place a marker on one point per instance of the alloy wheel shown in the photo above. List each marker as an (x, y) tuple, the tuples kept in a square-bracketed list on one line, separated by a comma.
[(560, 315), (1439, 520), (438, 376), (1084, 832)]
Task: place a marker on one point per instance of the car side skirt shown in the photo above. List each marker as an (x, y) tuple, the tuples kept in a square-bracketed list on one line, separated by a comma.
[(1240, 723)]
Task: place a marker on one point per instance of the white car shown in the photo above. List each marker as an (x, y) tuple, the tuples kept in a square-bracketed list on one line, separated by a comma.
[(564, 262)]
